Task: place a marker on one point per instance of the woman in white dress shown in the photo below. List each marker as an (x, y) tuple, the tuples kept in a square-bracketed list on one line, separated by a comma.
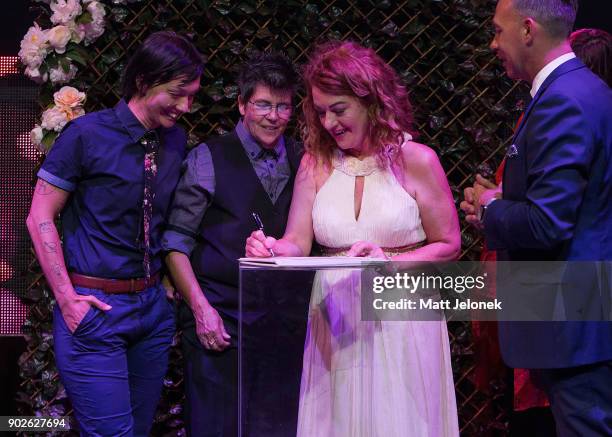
[(364, 188)]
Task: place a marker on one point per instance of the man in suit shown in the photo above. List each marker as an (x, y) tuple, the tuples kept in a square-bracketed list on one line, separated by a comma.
[(224, 181), (555, 205)]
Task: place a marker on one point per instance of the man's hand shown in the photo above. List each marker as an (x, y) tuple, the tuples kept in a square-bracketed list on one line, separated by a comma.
[(74, 310), (479, 194), (210, 329), (485, 191), (469, 207)]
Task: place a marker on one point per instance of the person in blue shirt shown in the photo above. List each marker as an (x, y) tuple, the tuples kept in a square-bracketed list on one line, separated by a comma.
[(111, 175)]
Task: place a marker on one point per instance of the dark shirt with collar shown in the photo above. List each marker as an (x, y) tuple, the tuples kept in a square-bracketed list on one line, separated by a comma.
[(197, 186), (99, 159)]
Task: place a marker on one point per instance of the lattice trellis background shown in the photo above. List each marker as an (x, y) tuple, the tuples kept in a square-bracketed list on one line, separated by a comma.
[(465, 109)]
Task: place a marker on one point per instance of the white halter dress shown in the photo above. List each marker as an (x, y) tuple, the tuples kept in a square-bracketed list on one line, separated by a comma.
[(367, 379)]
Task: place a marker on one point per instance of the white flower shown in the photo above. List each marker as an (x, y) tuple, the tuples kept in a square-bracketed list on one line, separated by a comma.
[(65, 11), (57, 75), (34, 74), (33, 47), (54, 119), (69, 97), (93, 30), (36, 136), (96, 9), (59, 37)]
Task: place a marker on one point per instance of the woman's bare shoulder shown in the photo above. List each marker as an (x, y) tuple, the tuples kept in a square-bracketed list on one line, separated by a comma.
[(417, 156), (313, 169)]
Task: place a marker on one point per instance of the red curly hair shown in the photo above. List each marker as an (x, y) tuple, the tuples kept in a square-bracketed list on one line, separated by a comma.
[(347, 68)]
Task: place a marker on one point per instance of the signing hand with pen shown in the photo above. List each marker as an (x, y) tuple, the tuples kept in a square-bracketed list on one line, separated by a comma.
[(260, 246)]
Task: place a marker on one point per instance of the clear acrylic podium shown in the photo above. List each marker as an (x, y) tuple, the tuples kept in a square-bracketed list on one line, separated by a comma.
[(273, 314), (273, 309)]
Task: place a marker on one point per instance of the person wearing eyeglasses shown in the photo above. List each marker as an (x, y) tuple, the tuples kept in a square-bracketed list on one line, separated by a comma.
[(225, 180)]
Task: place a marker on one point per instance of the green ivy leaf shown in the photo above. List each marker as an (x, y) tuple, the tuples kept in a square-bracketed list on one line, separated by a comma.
[(264, 11), (414, 28), (195, 107), (118, 14), (235, 47), (218, 109), (447, 85), (246, 8), (436, 122), (222, 6), (65, 64), (49, 139), (263, 33), (231, 91), (390, 29), (335, 12), (84, 18), (77, 57), (468, 66)]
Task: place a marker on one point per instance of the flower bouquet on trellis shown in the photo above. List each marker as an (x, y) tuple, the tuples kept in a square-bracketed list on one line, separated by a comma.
[(50, 57)]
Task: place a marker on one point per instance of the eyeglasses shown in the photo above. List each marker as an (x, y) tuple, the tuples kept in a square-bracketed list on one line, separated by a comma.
[(264, 108)]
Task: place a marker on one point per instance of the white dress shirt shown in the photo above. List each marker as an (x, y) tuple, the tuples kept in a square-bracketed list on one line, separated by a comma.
[(539, 79)]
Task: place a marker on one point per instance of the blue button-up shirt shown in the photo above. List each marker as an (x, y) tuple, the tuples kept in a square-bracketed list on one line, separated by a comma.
[(100, 160)]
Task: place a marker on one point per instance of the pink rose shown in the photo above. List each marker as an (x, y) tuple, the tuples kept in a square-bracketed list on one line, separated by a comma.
[(69, 97)]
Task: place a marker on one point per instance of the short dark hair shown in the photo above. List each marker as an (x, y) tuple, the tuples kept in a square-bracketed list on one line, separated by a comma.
[(273, 69), (556, 16), (161, 58), (594, 48)]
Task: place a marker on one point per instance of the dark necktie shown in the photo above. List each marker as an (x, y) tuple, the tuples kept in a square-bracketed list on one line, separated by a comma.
[(267, 154), (151, 145)]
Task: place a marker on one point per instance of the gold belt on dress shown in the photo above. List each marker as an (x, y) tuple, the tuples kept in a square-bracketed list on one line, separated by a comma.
[(389, 251)]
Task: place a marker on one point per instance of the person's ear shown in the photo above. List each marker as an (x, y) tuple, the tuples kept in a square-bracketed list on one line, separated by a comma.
[(529, 27), (140, 86), (241, 105)]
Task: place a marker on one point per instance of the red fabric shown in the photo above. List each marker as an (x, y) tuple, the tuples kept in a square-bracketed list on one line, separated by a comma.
[(489, 365)]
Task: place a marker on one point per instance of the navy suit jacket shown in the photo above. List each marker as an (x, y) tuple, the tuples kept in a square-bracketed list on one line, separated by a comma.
[(557, 205)]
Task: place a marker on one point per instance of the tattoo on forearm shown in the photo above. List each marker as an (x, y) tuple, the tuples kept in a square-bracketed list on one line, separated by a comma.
[(45, 227), (50, 247), (57, 271), (44, 189)]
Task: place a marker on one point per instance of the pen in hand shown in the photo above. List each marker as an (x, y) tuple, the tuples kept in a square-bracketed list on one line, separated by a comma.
[(260, 225)]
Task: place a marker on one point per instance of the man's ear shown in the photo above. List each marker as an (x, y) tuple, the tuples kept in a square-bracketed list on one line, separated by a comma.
[(241, 105), (529, 27), (140, 87)]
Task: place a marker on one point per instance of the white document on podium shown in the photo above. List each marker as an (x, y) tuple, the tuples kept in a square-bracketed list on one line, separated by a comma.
[(312, 261)]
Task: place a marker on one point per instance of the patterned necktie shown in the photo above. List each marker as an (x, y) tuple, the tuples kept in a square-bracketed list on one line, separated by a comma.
[(151, 145)]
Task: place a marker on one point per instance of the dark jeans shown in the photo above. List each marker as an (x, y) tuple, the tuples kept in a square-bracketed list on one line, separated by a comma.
[(580, 398), (114, 363)]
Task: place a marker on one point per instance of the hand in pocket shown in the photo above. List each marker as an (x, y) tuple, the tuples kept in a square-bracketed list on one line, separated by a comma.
[(74, 310)]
